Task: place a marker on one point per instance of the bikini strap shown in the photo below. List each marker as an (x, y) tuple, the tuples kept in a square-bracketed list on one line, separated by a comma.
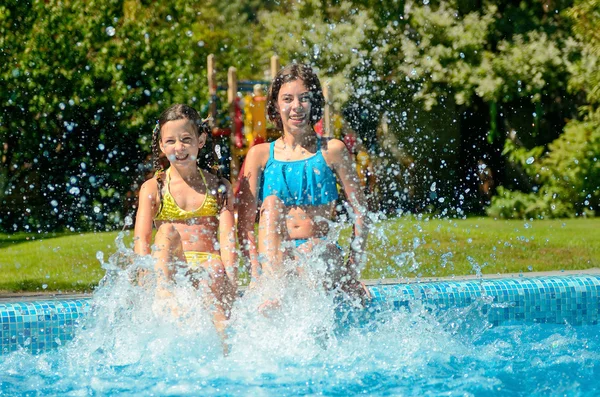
[(272, 150), (203, 180)]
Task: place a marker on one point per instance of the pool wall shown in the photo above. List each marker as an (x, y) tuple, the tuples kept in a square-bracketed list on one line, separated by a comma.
[(38, 326)]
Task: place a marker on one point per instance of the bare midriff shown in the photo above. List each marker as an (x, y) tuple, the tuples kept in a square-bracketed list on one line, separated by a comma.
[(197, 234), (307, 221)]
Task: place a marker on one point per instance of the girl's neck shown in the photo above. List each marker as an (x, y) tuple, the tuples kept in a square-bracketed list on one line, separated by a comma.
[(185, 173), (308, 138)]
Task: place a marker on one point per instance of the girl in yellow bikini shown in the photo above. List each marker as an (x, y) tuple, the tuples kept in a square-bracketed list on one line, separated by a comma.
[(192, 210)]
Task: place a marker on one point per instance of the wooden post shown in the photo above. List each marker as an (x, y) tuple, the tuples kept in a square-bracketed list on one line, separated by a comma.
[(231, 97), (327, 112), (274, 66), (212, 89), (231, 84)]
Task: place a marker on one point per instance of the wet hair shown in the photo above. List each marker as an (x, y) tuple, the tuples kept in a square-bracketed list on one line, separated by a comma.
[(290, 73), (207, 156)]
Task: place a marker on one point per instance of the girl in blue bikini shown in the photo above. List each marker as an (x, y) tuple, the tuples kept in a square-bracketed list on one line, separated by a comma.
[(291, 182), (192, 210)]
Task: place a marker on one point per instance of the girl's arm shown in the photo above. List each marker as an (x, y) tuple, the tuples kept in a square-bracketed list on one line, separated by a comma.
[(227, 235), (147, 207), (247, 202), (344, 167)]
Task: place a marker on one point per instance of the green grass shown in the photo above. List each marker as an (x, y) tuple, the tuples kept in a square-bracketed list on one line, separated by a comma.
[(463, 247), (53, 262), (398, 248)]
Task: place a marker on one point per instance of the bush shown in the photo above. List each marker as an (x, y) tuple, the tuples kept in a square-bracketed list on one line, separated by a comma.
[(567, 176)]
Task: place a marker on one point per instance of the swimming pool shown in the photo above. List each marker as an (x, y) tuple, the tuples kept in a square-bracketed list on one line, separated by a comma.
[(523, 336)]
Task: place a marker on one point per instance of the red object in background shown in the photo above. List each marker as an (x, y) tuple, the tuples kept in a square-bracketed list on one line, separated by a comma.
[(350, 142), (238, 124), (216, 131), (258, 139), (319, 127)]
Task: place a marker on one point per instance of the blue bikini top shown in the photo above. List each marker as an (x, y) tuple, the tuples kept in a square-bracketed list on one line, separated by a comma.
[(308, 181)]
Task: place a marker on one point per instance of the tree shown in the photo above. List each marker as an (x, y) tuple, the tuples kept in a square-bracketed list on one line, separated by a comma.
[(455, 79), (567, 175), (85, 81)]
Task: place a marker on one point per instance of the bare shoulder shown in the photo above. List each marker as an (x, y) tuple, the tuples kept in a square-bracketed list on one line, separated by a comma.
[(150, 187), (258, 154), (333, 144), (259, 150), (334, 149)]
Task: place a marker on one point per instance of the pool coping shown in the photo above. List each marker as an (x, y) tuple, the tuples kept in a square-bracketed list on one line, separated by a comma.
[(37, 296)]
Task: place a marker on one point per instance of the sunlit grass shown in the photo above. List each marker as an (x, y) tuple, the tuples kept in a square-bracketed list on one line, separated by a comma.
[(441, 248), (404, 247), (47, 262)]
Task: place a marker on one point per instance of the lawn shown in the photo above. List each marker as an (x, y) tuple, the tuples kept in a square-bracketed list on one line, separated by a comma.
[(405, 247)]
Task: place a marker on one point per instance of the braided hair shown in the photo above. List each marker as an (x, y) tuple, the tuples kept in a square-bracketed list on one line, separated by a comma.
[(207, 156)]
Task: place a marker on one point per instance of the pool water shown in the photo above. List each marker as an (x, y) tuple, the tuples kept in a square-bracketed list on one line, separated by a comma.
[(444, 340), (128, 347)]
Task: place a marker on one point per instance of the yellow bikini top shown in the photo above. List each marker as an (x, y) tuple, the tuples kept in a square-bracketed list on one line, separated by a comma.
[(170, 211)]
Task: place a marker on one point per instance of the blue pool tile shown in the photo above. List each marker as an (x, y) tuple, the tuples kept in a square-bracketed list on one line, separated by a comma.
[(42, 325)]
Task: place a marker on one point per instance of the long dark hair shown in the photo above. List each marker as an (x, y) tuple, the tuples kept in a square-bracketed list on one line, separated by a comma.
[(311, 81)]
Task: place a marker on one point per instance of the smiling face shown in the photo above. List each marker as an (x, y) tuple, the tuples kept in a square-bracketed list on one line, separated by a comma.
[(294, 105), (180, 142)]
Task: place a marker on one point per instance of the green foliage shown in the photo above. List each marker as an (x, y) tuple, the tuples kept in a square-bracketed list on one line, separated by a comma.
[(84, 80), (567, 176), (585, 73), (567, 172), (325, 37), (83, 83)]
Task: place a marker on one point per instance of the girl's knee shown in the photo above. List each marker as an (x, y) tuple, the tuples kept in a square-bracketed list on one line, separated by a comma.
[(272, 203)]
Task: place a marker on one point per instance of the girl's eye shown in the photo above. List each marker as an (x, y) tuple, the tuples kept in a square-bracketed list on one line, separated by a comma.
[(305, 99)]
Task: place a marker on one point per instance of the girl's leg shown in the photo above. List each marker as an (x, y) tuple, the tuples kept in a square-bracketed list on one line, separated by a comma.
[(168, 251), (271, 230), (223, 294), (340, 276)]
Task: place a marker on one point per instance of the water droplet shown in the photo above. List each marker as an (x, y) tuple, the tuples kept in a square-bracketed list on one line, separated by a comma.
[(530, 160), (110, 31)]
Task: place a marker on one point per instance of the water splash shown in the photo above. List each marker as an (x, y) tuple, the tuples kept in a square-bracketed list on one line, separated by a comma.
[(132, 344)]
